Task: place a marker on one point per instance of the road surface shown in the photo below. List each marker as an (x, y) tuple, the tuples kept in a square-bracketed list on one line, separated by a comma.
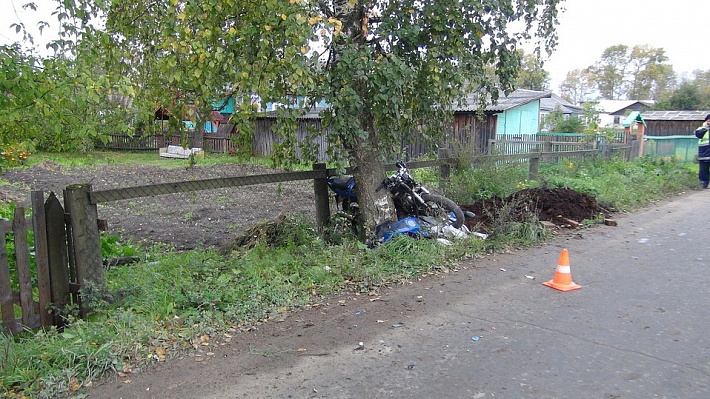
[(638, 328)]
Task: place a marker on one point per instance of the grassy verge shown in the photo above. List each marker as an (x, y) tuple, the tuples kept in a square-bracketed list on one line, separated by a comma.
[(171, 303)]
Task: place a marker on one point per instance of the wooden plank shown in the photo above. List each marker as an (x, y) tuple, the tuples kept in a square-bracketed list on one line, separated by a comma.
[(7, 299), (41, 257), (57, 254), (23, 266)]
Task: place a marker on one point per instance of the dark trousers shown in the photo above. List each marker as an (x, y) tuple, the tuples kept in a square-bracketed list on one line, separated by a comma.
[(704, 172)]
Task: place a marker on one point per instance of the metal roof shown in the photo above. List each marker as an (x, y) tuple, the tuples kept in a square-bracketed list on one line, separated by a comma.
[(555, 101), (515, 99), (613, 106), (675, 115)]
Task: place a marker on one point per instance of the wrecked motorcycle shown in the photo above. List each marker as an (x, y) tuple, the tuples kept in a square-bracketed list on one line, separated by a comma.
[(410, 199)]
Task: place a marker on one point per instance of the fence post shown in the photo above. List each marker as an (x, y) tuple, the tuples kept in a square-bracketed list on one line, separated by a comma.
[(534, 167), (86, 242), (320, 189)]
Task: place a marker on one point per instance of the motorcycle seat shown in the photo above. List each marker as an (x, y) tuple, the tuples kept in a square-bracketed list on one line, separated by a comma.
[(342, 183)]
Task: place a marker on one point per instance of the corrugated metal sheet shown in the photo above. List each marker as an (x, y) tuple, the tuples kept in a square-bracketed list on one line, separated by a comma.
[(675, 115), (515, 99), (555, 101)]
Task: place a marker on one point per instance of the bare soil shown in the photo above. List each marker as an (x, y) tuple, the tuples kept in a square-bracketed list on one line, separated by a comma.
[(214, 217), (185, 220)]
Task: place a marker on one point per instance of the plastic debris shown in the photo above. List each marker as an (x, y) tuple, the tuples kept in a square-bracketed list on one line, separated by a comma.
[(482, 236), (530, 277), (360, 346), (475, 338), (444, 241)]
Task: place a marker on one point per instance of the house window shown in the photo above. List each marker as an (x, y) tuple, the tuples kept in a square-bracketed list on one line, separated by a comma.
[(617, 120)]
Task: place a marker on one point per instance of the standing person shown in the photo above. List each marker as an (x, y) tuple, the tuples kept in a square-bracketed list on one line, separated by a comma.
[(703, 135)]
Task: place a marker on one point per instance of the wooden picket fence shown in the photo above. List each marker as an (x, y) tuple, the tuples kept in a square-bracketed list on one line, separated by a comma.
[(40, 288)]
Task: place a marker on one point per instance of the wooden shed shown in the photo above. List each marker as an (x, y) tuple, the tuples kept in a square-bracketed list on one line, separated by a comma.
[(515, 114), (265, 139), (673, 123)]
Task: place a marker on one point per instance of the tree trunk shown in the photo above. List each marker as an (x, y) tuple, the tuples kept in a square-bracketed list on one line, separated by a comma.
[(364, 153), (365, 158), (375, 206)]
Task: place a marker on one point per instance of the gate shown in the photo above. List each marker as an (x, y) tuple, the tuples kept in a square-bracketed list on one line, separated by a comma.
[(35, 294)]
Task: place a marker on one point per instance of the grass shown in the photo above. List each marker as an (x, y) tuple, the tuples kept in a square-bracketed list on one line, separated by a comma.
[(171, 302)]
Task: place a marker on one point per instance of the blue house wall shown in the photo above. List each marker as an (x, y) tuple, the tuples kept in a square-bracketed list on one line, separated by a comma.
[(522, 120)]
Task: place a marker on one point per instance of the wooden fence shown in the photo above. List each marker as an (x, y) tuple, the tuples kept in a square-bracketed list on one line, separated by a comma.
[(40, 288), (67, 239)]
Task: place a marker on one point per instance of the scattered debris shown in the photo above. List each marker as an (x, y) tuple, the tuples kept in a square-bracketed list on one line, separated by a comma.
[(177, 151)]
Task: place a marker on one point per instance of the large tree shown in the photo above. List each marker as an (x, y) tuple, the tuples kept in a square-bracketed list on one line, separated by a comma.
[(385, 67), (691, 94), (649, 74), (577, 86), (634, 73), (610, 71), (532, 75)]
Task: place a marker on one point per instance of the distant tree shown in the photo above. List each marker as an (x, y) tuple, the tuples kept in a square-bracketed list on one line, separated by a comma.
[(685, 97), (640, 72), (577, 86), (648, 74), (532, 75), (608, 73), (692, 94)]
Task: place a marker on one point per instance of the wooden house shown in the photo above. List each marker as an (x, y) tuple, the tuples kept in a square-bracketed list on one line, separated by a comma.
[(555, 102), (516, 115), (673, 123), (613, 112)]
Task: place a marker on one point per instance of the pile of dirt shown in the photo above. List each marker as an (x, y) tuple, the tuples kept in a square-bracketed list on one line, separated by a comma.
[(554, 205)]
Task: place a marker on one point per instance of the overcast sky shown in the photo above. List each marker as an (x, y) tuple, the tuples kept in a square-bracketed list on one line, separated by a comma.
[(587, 27)]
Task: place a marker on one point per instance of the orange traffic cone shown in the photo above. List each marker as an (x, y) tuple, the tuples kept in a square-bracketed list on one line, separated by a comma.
[(563, 276)]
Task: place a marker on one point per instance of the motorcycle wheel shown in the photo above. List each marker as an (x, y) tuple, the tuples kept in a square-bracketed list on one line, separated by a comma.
[(441, 206)]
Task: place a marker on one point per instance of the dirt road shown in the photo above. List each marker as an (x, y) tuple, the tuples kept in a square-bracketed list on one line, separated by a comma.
[(636, 329)]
